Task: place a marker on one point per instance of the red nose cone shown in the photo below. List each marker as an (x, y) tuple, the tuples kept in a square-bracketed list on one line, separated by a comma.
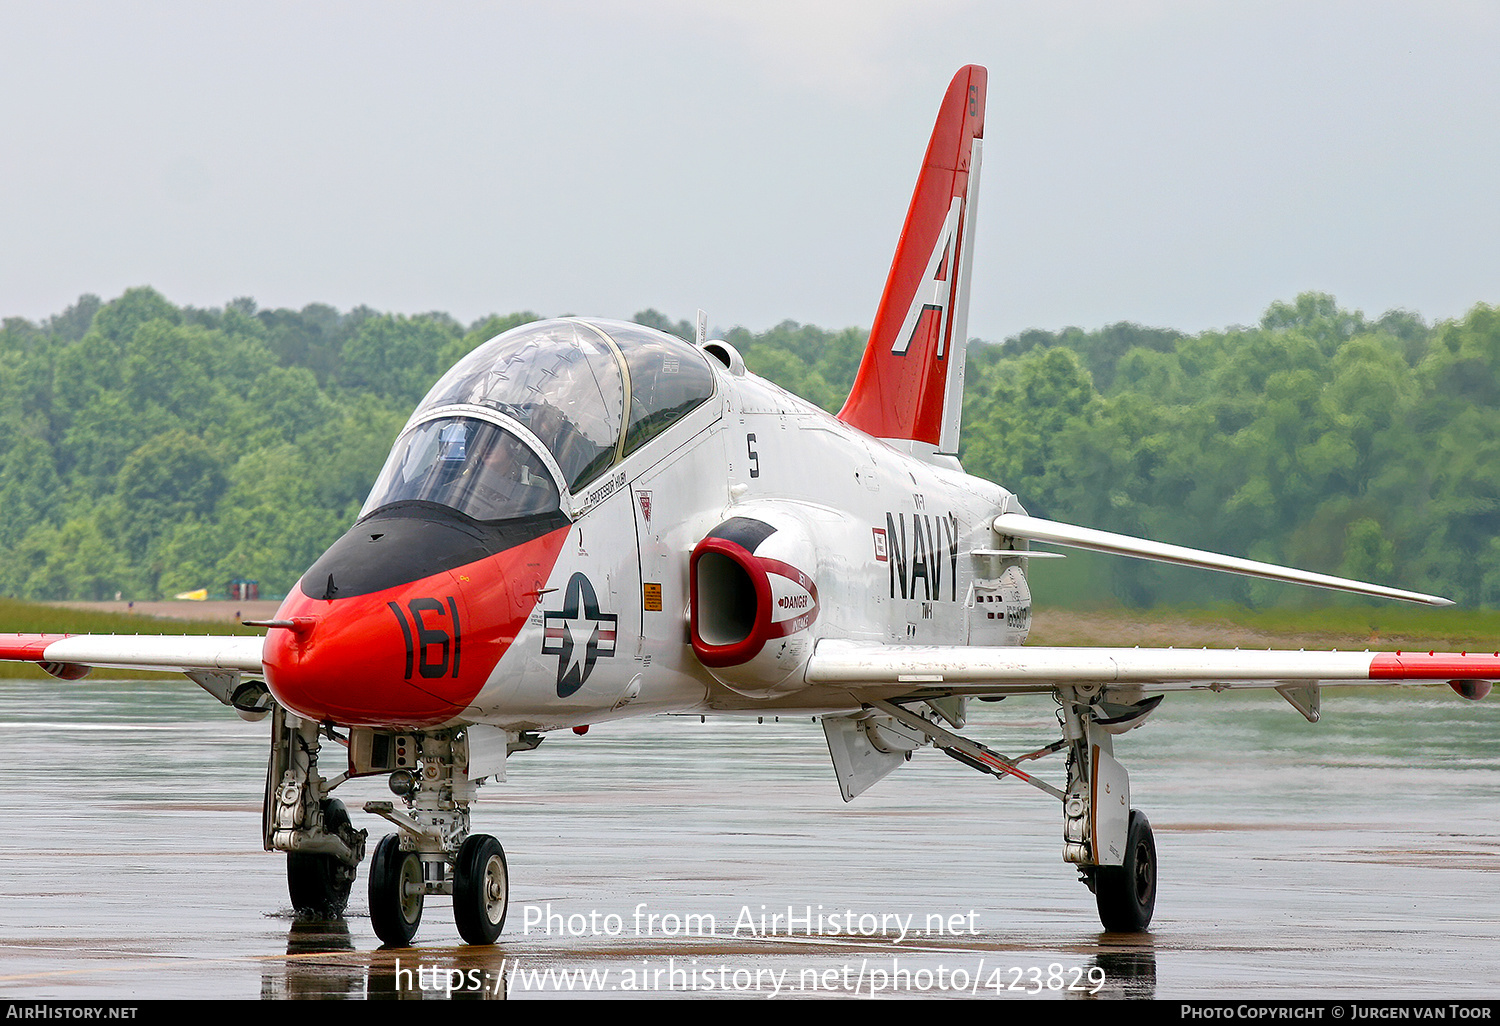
[(356, 666), (414, 655)]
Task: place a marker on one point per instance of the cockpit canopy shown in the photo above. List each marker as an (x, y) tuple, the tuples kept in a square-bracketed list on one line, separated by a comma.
[(591, 392)]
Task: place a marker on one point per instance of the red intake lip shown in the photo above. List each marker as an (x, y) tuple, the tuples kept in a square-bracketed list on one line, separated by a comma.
[(413, 655), (757, 570)]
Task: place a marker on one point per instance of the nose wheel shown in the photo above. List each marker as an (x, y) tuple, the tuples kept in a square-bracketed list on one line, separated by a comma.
[(396, 892), (480, 884), (481, 889)]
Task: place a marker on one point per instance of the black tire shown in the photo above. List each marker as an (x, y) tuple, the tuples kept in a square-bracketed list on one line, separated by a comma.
[(481, 889), (319, 885), (1127, 894), (395, 892)]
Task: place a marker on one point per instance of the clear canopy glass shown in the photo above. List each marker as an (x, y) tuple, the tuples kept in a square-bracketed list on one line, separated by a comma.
[(592, 392)]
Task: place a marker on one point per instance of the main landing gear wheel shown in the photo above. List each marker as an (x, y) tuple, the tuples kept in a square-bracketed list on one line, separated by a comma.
[(481, 889), (396, 892), (1127, 894), (319, 884)]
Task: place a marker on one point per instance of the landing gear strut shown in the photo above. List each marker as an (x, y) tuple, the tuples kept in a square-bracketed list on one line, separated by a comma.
[(323, 848), (1109, 842)]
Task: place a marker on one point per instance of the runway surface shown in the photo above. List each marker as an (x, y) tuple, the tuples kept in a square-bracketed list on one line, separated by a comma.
[(1355, 858)]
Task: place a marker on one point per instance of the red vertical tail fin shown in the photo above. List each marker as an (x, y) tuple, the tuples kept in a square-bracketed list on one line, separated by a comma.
[(910, 383)]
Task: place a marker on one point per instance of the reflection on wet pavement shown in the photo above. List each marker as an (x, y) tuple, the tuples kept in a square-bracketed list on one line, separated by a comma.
[(1354, 857)]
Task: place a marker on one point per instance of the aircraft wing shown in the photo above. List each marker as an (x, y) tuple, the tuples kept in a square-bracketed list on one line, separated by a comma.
[(70, 656), (1023, 669)]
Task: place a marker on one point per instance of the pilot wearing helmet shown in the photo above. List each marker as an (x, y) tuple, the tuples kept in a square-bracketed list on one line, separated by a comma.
[(500, 479)]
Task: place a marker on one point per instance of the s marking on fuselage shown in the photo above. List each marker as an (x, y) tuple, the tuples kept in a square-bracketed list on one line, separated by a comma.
[(578, 634), (918, 554)]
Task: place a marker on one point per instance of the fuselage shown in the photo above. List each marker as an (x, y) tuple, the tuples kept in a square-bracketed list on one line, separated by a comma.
[(588, 519)]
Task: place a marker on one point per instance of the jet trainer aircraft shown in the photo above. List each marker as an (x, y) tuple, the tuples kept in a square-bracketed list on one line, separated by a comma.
[(586, 520)]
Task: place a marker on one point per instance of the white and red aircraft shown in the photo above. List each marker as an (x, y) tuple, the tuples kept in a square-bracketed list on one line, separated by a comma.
[(586, 520)]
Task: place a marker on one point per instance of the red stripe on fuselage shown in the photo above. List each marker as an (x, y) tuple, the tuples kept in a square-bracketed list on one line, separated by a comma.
[(396, 658)]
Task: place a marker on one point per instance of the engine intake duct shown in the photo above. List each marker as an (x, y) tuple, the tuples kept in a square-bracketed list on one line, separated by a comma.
[(748, 590)]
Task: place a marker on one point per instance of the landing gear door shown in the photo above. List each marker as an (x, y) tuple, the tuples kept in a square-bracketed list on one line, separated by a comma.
[(1111, 805), (857, 761)]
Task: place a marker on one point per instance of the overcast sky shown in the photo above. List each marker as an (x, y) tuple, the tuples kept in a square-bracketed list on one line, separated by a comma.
[(1177, 163)]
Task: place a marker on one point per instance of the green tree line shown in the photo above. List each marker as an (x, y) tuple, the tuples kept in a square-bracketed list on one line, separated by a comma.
[(147, 449)]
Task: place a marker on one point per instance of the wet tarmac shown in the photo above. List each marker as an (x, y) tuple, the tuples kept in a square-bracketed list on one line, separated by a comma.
[(1355, 858)]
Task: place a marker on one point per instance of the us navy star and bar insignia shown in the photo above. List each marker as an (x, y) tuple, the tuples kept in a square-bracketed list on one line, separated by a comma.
[(578, 634)]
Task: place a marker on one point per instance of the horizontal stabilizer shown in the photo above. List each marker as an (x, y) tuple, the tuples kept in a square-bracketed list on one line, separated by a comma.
[(1017, 525)]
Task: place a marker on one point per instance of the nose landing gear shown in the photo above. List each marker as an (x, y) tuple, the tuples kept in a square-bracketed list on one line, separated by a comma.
[(481, 889), (478, 879), (396, 892), (435, 854)]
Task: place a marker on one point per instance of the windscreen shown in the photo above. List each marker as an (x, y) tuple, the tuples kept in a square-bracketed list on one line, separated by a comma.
[(469, 465)]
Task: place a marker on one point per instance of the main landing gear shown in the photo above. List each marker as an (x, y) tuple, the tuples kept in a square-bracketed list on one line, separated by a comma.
[(1126, 894), (433, 852), (320, 882), (1110, 843), (323, 848)]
